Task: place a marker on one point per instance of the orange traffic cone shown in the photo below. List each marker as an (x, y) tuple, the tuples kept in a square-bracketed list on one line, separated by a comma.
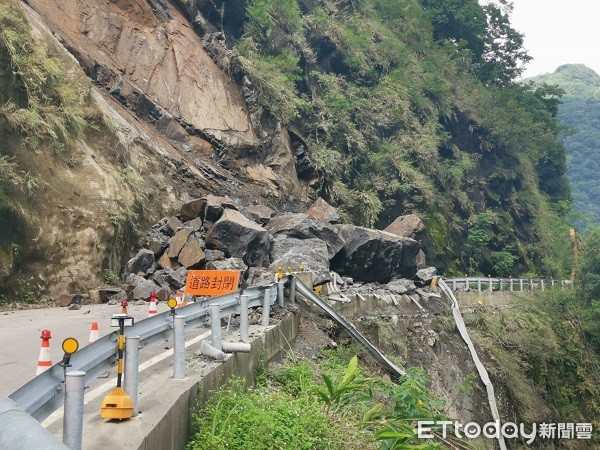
[(178, 298), (44, 361), (152, 305), (124, 307), (94, 333)]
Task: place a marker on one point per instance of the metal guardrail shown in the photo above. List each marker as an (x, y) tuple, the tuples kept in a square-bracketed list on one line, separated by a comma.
[(481, 284), (44, 394)]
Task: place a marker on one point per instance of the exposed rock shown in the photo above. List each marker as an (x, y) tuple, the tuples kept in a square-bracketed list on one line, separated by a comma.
[(106, 294), (259, 213), (227, 264), (373, 255), (168, 263), (94, 296), (192, 253), (142, 288), (323, 211), (258, 276), (177, 278), (215, 206), (302, 226), (141, 262), (195, 224), (159, 278), (239, 237), (401, 286), (157, 242), (64, 300), (214, 255), (421, 260), (193, 209), (311, 253), (410, 226), (426, 275), (177, 242), (171, 226)]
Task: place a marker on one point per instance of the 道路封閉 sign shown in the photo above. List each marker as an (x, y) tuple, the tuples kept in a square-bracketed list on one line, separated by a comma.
[(211, 282)]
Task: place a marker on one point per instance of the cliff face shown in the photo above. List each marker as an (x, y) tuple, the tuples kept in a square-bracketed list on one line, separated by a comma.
[(162, 120)]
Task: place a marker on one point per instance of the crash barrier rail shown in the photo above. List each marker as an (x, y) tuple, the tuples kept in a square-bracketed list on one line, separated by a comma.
[(483, 284), (48, 391), (483, 374)]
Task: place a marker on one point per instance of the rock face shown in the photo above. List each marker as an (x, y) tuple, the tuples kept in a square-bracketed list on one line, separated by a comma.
[(410, 226), (310, 253), (373, 255), (142, 262), (239, 237), (302, 226), (323, 211)]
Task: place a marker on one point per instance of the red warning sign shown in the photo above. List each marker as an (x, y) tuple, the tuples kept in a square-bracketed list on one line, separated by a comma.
[(211, 282)]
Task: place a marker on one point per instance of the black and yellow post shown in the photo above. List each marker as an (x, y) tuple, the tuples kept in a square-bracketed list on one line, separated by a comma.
[(118, 405)]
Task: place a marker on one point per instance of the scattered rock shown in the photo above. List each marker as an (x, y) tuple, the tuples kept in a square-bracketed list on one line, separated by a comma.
[(177, 278), (215, 206), (312, 253), (426, 275), (227, 264), (177, 242), (142, 287), (64, 300), (401, 286), (192, 254), (214, 255), (259, 213), (168, 263), (421, 260), (302, 226), (410, 226), (193, 209), (239, 237), (195, 224), (323, 211), (141, 262), (74, 306), (372, 255), (105, 294), (118, 297), (157, 242)]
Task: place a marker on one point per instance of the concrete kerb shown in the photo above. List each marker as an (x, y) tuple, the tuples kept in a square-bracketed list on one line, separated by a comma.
[(166, 420)]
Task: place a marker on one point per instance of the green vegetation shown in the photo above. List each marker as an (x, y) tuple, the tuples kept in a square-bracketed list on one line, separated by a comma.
[(410, 107), (290, 408), (579, 113)]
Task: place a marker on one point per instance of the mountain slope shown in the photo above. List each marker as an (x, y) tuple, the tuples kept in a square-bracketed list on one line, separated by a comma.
[(579, 111)]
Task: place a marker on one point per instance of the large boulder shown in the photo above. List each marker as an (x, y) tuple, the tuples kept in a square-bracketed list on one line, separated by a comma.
[(410, 226), (323, 211), (373, 255), (302, 226), (141, 263), (239, 237), (192, 254), (215, 206), (178, 241), (193, 208), (311, 253), (141, 287), (227, 264)]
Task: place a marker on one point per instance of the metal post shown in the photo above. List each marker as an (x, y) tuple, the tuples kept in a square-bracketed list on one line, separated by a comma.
[(215, 320), (500, 285), (454, 285), (521, 283), (479, 285), (542, 281), (511, 284), (552, 282), (244, 317), (266, 307), (179, 347), (73, 415), (531, 284), (132, 368), (491, 289), (292, 288), (280, 286)]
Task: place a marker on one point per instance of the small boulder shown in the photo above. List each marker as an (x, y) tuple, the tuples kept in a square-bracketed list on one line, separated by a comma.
[(177, 278), (157, 242), (141, 287), (410, 226), (168, 263), (141, 262), (227, 264), (239, 237), (214, 255), (259, 213), (171, 226), (302, 226), (215, 206), (193, 208), (177, 242), (421, 260), (195, 224), (105, 294), (323, 211), (426, 275)]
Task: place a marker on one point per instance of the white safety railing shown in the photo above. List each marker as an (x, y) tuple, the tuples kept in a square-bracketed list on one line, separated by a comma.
[(482, 284)]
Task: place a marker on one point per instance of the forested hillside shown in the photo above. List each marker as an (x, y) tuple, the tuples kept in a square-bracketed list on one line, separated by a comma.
[(579, 113), (410, 107)]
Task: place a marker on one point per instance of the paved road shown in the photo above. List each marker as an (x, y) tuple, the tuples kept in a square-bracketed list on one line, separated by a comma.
[(20, 336)]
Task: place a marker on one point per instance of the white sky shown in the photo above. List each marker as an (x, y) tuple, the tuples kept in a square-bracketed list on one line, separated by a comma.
[(558, 32)]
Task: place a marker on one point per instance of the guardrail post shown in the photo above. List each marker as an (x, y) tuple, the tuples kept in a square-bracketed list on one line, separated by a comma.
[(500, 281), (73, 415), (266, 307), (542, 283), (491, 288), (179, 347), (215, 321), (552, 283), (280, 286), (479, 285), (531, 284), (132, 368), (454, 285), (292, 288), (511, 284), (244, 317), (521, 283)]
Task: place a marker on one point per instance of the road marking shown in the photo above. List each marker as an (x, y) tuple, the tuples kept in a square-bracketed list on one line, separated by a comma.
[(102, 389)]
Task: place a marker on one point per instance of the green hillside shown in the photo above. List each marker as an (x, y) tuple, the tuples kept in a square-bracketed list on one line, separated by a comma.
[(579, 112), (410, 107)]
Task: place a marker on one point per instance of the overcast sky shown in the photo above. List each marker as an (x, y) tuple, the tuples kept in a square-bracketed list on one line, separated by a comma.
[(558, 32)]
